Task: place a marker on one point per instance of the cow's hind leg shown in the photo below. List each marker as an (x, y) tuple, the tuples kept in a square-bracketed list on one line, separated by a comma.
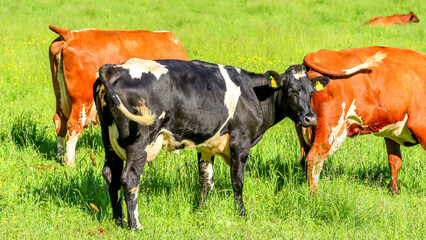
[(205, 170), (76, 122), (395, 163), (61, 131), (135, 163), (112, 174)]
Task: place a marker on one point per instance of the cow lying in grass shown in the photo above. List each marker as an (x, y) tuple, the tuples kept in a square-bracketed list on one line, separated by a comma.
[(145, 106)]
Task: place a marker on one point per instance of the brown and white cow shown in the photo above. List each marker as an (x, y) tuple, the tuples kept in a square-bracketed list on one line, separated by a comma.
[(75, 58), (398, 19), (388, 100)]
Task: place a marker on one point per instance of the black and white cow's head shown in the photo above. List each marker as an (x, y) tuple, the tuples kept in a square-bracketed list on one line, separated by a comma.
[(294, 93)]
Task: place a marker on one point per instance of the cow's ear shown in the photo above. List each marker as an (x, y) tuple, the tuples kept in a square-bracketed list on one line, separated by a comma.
[(320, 83), (275, 79)]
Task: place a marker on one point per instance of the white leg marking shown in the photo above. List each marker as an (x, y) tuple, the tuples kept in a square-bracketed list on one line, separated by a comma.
[(316, 170), (70, 154), (83, 117), (138, 66), (136, 216)]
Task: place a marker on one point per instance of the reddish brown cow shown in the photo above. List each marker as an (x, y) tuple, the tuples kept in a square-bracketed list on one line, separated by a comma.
[(394, 19), (388, 100), (75, 57)]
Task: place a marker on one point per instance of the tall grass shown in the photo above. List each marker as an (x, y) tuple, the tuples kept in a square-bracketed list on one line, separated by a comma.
[(41, 198)]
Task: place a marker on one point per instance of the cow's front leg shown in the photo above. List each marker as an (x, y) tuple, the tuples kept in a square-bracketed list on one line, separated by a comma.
[(205, 170), (314, 162), (395, 163), (239, 156), (136, 159), (112, 173)]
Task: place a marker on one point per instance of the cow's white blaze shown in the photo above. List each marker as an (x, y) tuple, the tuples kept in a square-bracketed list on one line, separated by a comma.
[(136, 216), (70, 154), (398, 132), (113, 138), (299, 75), (238, 69), (138, 66)]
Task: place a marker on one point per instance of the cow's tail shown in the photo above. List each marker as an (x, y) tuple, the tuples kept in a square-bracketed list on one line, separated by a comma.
[(146, 117), (372, 61), (65, 34)]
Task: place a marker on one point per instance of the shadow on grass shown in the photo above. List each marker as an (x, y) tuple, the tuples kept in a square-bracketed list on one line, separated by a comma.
[(82, 188), (28, 132)]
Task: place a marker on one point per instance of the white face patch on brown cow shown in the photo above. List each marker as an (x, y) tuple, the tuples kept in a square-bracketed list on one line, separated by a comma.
[(138, 66), (398, 132)]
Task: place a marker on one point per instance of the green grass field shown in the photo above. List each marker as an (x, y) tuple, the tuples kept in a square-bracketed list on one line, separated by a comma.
[(41, 199)]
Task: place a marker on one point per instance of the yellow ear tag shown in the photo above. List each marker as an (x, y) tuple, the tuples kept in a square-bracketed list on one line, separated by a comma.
[(273, 82), (318, 86)]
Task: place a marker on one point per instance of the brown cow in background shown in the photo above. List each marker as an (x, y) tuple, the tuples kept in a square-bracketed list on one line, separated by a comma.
[(394, 19), (75, 58), (389, 101)]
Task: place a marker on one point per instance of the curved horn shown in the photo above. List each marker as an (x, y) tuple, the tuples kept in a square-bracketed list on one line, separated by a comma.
[(370, 62)]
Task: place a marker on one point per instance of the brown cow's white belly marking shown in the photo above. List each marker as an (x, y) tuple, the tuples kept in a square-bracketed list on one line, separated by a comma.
[(113, 138), (398, 132), (64, 98)]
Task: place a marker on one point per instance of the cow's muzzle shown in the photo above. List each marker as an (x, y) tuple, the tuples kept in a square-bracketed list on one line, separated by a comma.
[(309, 121)]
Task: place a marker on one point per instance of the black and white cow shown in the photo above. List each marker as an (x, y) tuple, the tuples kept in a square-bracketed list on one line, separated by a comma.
[(145, 106)]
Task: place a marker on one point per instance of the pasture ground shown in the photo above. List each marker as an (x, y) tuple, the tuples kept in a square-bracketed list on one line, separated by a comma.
[(39, 198)]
